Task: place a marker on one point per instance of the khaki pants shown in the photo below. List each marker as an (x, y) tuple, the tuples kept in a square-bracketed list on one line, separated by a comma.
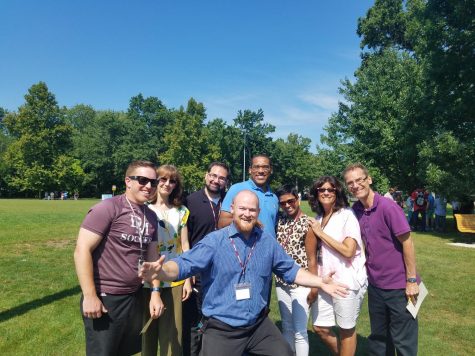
[(167, 329)]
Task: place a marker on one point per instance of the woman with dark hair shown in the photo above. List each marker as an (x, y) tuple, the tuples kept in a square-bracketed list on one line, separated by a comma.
[(292, 229), (341, 253), (172, 241)]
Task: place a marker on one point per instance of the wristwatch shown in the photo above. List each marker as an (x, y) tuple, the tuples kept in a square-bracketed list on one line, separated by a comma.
[(155, 289), (411, 280)]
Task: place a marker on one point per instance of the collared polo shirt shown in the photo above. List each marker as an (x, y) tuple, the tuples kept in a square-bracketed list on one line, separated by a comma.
[(215, 259), (204, 216), (268, 203), (380, 225)]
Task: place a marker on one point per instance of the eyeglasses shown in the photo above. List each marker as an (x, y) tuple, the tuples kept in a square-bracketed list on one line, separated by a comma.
[(289, 201), (216, 177), (357, 181), (163, 180), (329, 190), (144, 180), (265, 168)]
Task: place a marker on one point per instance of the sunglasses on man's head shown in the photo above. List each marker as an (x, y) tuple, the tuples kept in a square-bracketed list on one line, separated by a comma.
[(144, 180)]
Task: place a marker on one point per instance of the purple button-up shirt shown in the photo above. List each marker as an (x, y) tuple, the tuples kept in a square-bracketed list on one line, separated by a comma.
[(380, 225)]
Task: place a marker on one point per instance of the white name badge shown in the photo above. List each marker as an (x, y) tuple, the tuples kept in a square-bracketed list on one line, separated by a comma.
[(243, 291)]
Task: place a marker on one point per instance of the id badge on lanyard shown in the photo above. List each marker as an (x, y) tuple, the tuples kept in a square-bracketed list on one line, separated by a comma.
[(243, 291)]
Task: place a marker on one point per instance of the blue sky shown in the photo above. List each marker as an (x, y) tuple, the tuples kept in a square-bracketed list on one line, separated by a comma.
[(286, 57)]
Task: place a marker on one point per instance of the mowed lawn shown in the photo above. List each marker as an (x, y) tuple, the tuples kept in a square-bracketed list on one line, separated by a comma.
[(39, 304)]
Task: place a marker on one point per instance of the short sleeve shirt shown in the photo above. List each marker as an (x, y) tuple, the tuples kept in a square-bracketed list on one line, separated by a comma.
[(115, 259), (169, 234), (291, 236), (215, 259), (352, 272), (380, 226), (268, 203)]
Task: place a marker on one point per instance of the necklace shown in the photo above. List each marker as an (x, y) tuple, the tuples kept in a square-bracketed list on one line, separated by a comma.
[(325, 223), (290, 228)]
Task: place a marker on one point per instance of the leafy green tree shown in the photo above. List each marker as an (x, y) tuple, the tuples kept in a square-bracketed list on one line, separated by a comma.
[(418, 75), (293, 162), (187, 144), (225, 143), (380, 122), (95, 147), (40, 136), (255, 131)]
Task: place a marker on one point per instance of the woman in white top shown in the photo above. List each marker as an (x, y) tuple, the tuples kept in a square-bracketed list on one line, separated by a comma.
[(340, 252), (172, 241)]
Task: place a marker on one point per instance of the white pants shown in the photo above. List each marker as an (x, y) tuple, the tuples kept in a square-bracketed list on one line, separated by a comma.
[(294, 312)]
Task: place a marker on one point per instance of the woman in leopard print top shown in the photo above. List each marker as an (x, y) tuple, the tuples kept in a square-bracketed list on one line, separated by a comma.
[(292, 229)]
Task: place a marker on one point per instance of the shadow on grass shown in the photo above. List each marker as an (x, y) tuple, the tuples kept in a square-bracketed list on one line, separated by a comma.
[(318, 348), (451, 233), (37, 303)]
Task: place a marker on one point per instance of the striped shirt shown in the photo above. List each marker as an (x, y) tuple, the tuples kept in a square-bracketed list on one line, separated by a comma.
[(215, 258)]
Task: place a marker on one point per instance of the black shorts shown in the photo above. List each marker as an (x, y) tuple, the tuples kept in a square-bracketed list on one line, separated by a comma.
[(118, 331)]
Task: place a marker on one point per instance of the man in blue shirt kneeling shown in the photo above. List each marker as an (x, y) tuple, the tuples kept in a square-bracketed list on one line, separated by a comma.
[(236, 265)]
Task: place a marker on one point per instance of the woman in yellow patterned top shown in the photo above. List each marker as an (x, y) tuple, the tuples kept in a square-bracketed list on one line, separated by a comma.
[(172, 241)]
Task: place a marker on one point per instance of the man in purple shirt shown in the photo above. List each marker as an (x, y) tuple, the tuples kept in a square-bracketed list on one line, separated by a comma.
[(391, 267), (115, 238)]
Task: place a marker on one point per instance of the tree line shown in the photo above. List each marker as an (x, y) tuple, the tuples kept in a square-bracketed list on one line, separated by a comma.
[(408, 114)]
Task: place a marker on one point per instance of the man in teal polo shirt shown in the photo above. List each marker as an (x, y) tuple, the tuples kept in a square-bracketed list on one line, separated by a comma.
[(260, 172)]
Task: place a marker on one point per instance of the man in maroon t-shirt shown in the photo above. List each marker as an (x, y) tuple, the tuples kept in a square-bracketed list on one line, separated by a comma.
[(115, 237)]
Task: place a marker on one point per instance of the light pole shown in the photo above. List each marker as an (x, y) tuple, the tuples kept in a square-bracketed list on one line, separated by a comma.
[(244, 159)]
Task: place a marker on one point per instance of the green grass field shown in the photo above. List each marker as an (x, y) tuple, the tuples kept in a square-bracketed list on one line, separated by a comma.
[(39, 304)]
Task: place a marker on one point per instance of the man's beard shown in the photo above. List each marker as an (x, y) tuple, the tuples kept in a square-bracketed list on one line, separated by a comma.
[(212, 189), (243, 226)]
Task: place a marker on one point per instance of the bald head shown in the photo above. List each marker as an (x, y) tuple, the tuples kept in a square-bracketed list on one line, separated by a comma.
[(245, 210)]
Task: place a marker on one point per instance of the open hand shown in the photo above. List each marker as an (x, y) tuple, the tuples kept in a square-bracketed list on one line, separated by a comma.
[(335, 289), (315, 225), (150, 270)]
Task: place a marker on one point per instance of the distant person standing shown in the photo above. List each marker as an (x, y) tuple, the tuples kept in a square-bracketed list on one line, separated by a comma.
[(430, 210), (409, 208), (419, 197), (391, 267), (115, 238), (204, 206), (440, 205), (260, 172), (390, 194), (455, 207)]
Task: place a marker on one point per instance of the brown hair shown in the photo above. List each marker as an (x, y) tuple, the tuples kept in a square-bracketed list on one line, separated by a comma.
[(354, 166), (171, 172), (340, 200), (137, 164)]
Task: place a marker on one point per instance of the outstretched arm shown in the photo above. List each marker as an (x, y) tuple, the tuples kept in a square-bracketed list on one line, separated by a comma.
[(327, 284), (158, 270)]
